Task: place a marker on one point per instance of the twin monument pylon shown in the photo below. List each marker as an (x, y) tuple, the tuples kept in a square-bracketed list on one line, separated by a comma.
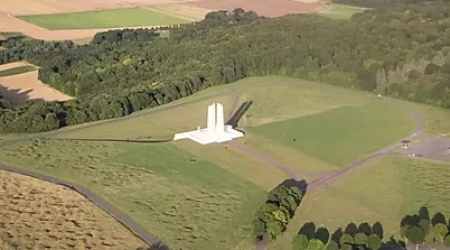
[(216, 130)]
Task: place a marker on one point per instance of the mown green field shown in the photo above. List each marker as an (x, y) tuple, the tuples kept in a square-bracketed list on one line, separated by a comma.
[(17, 71), (184, 200), (340, 11), (385, 191), (407, 185), (111, 18), (343, 135)]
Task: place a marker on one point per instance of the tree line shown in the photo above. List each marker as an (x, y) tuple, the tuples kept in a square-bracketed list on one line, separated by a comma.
[(402, 51), (415, 229)]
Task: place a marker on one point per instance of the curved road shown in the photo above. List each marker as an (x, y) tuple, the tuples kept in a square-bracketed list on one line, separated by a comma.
[(136, 228)]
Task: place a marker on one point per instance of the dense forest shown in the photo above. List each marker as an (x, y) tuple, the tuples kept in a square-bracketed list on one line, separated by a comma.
[(402, 51)]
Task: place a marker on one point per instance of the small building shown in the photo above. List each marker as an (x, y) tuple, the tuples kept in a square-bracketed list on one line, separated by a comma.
[(406, 143)]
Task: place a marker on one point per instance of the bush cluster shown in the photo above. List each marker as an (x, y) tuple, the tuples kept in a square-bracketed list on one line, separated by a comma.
[(274, 215), (414, 229)]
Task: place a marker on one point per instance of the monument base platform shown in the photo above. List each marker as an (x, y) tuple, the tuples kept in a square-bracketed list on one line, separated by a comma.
[(203, 136)]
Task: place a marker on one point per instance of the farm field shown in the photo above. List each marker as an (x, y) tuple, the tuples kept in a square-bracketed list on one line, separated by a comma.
[(17, 71), (56, 217), (340, 11), (112, 18), (192, 203), (21, 87)]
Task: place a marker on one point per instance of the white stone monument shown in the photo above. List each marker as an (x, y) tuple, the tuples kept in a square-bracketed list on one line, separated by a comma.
[(215, 132)]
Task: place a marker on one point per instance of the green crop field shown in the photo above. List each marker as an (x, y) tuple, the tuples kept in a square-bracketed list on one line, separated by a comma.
[(17, 70), (184, 200), (112, 18), (340, 11), (342, 135)]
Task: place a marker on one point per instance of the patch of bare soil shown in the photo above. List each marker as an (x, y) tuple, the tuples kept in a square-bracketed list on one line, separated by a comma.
[(268, 8), (38, 215), (27, 87)]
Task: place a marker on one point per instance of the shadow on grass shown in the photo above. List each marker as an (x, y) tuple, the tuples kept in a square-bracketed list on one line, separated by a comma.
[(240, 112)]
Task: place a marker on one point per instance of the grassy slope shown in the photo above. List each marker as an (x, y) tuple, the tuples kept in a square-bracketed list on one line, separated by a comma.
[(340, 11), (17, 71), (342, 135), (407, 185), (296, 98), (103, 19), (194, 205), (384, 191), (314, 208)]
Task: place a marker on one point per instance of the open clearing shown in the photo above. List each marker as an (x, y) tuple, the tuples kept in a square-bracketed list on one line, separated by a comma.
[(26, 87), (36, 215), (292, 110), (113, 18), (342, 135), (340, 11), (196, 204), (183, 200), (407, 185)]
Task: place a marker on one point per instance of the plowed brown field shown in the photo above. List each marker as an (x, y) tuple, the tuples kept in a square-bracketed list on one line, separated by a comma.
[(35, 215), (27, 87)]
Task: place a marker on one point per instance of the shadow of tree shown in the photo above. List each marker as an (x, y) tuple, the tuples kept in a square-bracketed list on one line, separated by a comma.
[(17, 96)]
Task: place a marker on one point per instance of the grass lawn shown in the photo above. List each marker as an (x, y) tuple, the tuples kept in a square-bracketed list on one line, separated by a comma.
[(294, 98), (340, 11), (407, 185), (112, 18), (385, 191), (325, 208), (17, 71), (342, 135), (187, 203)]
